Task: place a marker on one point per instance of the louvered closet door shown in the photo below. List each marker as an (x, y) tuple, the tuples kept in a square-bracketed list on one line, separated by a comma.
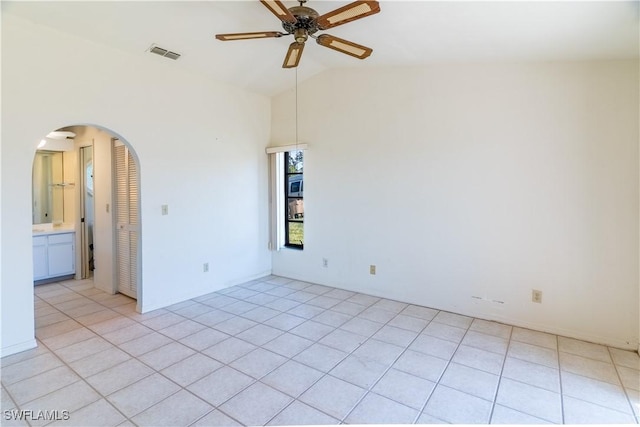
[(126, 204)]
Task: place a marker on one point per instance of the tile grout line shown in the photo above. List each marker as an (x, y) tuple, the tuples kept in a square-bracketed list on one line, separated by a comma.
[(615, 366), (350, 354), (317, 341), (214, 407), (424, 406), (389, 367), (80, 379), (624, 389), (561, 382), (294, 399), (504, 362), (74, 318), (132, 357), (258, 380), (557, 352), (370, 389), (83, 379), (217, 407)]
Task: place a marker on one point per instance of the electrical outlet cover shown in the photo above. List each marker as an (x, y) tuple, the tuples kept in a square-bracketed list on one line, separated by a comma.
[(536, 296)]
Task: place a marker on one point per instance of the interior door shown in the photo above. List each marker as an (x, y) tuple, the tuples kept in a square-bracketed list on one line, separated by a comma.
[(127, 221), (86, 212)]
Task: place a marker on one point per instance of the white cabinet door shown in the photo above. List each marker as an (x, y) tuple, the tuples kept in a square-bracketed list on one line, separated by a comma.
[(61, 259), (53, 255), (40, 263)]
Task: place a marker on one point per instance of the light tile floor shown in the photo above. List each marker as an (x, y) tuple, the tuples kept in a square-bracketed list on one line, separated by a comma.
[(276, 352)]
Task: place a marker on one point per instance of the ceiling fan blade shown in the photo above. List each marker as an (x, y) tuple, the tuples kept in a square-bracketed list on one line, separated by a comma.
[(294, 53), (344, 46), (348, 13), (280, 10), (245, 36)]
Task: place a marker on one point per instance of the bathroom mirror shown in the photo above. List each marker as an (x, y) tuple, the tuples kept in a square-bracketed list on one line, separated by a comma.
[(48, 188)]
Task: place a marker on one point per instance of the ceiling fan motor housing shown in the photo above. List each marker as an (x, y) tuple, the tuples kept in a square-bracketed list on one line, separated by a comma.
[(306, 23)]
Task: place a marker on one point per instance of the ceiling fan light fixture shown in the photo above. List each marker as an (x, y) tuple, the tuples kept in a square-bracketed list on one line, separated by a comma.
[(300, 35)]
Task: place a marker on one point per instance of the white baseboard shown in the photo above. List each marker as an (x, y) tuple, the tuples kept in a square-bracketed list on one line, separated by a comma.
[(579, 335), (17, 348), (631, 344), (145, 308)]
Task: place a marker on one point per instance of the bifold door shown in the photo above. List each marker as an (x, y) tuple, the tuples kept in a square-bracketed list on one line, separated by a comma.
[(127, 222)]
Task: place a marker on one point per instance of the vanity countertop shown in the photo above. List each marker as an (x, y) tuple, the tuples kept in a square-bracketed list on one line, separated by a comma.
[(47, 229)]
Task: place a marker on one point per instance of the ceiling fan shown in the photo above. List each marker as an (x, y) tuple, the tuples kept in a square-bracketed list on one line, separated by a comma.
[(303, 22)]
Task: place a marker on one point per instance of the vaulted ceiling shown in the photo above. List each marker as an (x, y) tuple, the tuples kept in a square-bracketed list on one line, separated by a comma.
[(404, 33)]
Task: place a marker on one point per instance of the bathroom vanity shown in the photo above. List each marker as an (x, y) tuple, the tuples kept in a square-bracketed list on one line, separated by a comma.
[(53, 252)]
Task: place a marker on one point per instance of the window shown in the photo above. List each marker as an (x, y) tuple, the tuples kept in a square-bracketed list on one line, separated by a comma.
[(294, 200), (286, 196)]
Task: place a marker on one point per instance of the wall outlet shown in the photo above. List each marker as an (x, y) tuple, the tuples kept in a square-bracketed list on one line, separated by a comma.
[(165, 209), (205, 267), (536, 296), (325, 262), (372, 269)]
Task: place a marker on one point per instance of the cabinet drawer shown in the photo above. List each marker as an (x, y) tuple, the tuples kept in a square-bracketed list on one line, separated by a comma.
[(60, 238), (40, 241)]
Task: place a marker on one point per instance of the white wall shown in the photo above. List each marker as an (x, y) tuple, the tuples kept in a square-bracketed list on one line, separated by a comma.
[(201, 150), (486, 180)]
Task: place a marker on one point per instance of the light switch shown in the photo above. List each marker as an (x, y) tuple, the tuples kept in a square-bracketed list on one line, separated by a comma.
[(107, 207), (165, 209)]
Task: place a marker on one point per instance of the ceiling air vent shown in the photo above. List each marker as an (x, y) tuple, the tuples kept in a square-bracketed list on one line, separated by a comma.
[(163, 52)]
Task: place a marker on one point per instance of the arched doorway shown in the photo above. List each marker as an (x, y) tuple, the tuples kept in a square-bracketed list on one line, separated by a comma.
[(103, 208)]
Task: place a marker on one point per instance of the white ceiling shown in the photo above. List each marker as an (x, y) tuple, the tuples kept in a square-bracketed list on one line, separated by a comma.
[(404, 33)]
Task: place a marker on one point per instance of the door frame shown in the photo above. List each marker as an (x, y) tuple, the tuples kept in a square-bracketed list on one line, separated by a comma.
[(79, 200), (83, 225)]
